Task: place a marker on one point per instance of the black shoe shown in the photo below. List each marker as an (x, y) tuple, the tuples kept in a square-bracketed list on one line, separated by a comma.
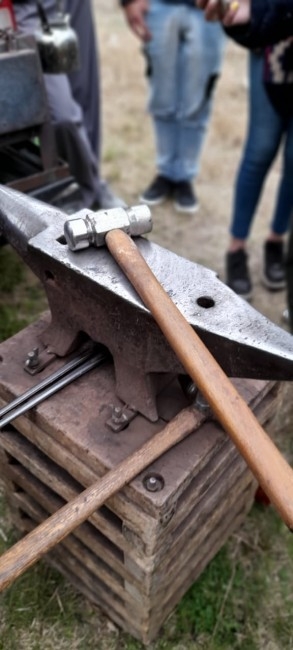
[(158, 191), (237, 272), (274, 277), (185, 199)]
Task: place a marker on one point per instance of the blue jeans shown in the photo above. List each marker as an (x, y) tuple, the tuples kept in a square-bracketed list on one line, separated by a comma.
[(184, 59), (267, 130), (289, 276)]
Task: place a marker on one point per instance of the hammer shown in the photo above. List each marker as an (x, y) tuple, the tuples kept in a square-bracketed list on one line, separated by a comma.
[(261, 455)]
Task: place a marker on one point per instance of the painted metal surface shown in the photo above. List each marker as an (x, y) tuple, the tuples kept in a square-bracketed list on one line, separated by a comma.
[(22, 91)]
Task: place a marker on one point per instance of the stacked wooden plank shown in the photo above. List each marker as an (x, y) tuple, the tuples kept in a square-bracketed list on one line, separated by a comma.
[(139, 553)]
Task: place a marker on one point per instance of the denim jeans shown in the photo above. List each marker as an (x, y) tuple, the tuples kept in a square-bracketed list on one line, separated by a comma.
[(184, 59), (289, 275), (267, 130)]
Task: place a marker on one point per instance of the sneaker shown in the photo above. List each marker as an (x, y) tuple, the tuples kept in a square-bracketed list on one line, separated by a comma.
[(274, 270), (158, 191), (185, 199), (237, 272), (106, 199)]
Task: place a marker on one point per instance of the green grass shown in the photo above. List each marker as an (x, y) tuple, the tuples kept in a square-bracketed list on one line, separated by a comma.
[(242, 601), (21, 296), (230, 601)]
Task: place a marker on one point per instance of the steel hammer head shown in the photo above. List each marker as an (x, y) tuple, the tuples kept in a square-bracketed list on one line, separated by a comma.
[(90, 228)]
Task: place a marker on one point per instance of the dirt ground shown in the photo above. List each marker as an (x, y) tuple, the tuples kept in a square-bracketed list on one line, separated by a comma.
[(128, 153)]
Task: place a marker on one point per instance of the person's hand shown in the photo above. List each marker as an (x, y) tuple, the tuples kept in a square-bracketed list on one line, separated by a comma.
[(135, 15), (235, 12)]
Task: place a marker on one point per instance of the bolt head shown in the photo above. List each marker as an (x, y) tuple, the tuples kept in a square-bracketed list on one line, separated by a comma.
[(153, 482)]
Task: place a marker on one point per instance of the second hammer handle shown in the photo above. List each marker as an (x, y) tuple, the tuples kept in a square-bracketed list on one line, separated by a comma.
[(265, 461)]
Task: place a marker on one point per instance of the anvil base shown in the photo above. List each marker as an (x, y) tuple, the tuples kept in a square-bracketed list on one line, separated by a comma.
[(137, 555)]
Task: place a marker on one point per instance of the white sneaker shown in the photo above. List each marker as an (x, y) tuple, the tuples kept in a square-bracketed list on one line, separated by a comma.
[(106, 199)]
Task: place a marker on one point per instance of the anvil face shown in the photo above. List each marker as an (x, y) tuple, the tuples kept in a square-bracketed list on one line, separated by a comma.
[(88, 293)]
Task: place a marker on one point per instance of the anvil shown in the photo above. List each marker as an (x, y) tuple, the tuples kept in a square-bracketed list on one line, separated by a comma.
[(89, 295)]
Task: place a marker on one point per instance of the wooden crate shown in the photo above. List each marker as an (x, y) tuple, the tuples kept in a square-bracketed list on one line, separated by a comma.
[(139, 553)]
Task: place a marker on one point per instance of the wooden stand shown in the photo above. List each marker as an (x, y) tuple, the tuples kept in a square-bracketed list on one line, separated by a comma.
[(139, 554)]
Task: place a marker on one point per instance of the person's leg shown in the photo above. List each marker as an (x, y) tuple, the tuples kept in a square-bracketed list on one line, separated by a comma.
[(65, 113), (71, 136), (85, 82), (274, 276), (265, 131), (199, 64), (85, 87), (161, 61), (67, 116), (184, 58), (200, 60), (262, 143), (285, 200), (289, 275)]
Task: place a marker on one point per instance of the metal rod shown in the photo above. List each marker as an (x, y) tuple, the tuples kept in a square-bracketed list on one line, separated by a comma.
[(91, 363), (74, 363)]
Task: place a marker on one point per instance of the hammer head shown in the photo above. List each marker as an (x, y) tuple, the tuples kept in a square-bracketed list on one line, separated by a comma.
[(90, 228)]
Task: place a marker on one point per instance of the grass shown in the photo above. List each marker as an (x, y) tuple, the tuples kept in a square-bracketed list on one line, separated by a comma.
[(243, 600), (21, 296)]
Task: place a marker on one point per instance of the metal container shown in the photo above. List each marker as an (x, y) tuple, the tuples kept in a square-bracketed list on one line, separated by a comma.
[(58, 44)]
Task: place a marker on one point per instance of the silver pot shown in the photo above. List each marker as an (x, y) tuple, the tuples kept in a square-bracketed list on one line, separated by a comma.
[(57, 43)]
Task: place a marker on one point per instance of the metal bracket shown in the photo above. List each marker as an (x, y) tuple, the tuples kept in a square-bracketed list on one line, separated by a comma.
[(37, 361)]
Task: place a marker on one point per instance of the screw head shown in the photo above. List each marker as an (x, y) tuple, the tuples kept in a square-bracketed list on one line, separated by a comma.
[(153, 482)]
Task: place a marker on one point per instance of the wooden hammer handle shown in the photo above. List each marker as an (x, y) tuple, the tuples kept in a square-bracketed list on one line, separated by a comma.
[(52, 531), (265, 461)]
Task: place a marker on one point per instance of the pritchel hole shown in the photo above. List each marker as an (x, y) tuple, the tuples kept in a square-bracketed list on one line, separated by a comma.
[(206, 302), (62, 240)]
